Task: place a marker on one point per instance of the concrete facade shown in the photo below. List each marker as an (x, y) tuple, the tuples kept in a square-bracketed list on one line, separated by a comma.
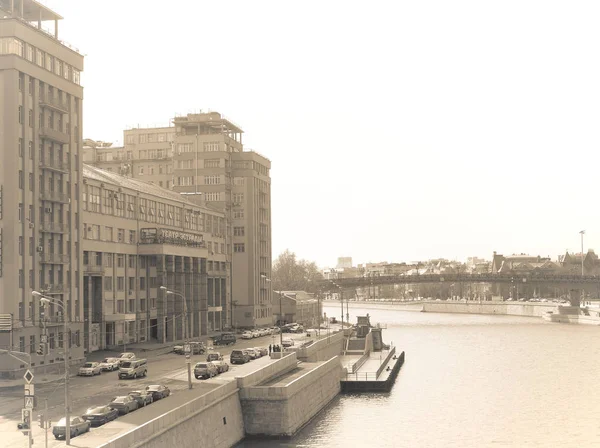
[(203, 157), (40, 179), (136, 238), (297, 307)]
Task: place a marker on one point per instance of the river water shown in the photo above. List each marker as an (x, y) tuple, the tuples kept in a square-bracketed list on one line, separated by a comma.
[(470, 381)]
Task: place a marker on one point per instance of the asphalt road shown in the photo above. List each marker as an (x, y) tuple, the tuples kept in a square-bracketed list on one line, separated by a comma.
[(168, 369)]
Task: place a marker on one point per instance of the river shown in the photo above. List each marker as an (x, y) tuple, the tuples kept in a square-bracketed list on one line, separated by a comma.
[(470, 381)]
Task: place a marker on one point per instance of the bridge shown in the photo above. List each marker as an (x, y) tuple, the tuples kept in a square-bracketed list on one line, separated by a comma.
[(513, 278)]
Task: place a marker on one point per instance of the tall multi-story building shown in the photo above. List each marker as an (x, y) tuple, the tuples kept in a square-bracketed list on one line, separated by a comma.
[(203, 158), (40, 178), (138, 237)]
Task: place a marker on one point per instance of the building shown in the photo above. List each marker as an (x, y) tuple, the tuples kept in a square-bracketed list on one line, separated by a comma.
[(298, 307), (138, 237), (344, 262), (40, 180), (203, 157)]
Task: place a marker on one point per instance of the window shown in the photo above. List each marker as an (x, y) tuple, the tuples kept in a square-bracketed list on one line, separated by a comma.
[(30, 118), (211, 197), (238, 198), (20, 245), (212, 180), (98, 258), (120, 204), (153, 282), (20, 147), (238, 231), (184, 147), (211, 146), (131, 260), (212, 163), (32, 347), (131, 139), (131, 281), (30, 149), (142, 283), (108, 234), (21, 182), (108, 260), (108, 202), (239, 181), (108, 283), (94, 199), (120, 283), (120, 236), (120, 260), (141, 170), (238, 214)]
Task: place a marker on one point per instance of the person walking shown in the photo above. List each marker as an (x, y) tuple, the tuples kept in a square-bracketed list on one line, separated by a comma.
[(270, 347)]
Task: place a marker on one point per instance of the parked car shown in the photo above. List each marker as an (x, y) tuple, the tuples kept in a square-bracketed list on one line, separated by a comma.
[(127, 356), (110, 364), (225, 339), (133, 369), (287, 342), (142, 397), (124, 404), (205, 370), (252, 353), (158, 391), (221, 365), (100, 415), (78, 426), (214, 356), (90, 369), (275, 330), (239, 357), (247, 335), (196, 348), (256, 334), (263, 351)]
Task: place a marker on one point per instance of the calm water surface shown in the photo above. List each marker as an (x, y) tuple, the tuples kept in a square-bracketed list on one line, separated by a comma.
[(471, 381)]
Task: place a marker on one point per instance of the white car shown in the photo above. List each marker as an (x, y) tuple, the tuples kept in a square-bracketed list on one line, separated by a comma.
[(256, 334), (287, 342), (90, 369), (247, 335), (127, 356), (110, 364)]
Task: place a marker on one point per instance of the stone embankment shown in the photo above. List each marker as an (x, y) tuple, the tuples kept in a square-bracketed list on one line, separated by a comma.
[(526, 309)]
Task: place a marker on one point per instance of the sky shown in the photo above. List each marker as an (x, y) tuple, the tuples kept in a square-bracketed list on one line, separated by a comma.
[(397, 131)]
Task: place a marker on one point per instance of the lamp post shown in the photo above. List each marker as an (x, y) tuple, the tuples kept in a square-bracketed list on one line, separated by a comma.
[(265, 278), (185, 331), (66, 342), (582, 233)]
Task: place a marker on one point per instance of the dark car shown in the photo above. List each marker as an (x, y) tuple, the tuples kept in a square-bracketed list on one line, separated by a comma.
[(239, 357), (100, 415), (78, 426), (225, 339), (158, 391), (142, 397), (124, 404)]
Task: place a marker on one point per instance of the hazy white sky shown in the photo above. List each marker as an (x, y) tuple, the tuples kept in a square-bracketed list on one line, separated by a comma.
[(397, 131)]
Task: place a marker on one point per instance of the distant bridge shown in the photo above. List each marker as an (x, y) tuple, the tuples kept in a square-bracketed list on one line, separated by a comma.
[(515, 278)]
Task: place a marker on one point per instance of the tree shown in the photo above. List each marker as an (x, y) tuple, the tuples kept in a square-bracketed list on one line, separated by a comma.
[(290, 274)]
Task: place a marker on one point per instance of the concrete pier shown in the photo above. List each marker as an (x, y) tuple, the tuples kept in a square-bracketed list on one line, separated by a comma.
[(375, 374)]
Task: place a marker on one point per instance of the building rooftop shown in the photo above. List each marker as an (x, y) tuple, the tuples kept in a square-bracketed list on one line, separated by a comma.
[(91, 172), (32, 10)]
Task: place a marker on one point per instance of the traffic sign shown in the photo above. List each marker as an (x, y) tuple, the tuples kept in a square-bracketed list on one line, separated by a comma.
[(187, 348), (44, 338), (28, 376), (29, 389), (29, 402)]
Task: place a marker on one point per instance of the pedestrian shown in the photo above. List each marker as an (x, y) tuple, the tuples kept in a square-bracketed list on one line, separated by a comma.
[(269, 349)]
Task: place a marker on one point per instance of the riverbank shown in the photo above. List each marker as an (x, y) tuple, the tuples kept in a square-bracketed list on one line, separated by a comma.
[(525, 309)]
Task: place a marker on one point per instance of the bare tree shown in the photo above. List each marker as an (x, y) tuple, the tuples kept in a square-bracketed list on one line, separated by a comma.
[(291, 274)]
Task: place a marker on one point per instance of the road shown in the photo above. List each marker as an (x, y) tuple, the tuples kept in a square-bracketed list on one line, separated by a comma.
[(168, 369)]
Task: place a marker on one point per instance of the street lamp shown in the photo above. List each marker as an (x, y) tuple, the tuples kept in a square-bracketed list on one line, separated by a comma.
[(66, 342), (265, 278), (185, 331), (582, 233)]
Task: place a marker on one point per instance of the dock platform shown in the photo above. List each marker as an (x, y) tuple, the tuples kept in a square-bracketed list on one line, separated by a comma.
[(375, 374)]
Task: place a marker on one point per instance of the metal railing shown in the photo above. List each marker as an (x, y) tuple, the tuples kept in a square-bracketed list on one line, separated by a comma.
[(54, 258), (54, 227), (53, 134), (55, 164), (93, 269), (54, 103), (54, 196)]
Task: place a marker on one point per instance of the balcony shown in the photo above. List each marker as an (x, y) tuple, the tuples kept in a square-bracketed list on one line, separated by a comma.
[(55, 135), (54, 258), (92, 269), (52, 321), (54, 103), (54, 196), (55, 164), (55, 288), (119, 317), (54, 227)]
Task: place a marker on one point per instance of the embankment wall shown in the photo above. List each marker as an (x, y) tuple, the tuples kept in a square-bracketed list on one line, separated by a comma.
[(500, 308), (283, 410)]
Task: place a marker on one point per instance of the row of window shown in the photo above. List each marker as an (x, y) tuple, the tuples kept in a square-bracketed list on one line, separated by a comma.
[(132, 139), (150, 170), (12, 45), (55, 340), (207, 147)]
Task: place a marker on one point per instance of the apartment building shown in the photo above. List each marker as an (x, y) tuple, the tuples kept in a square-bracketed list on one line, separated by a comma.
[(40, 179), (203, 158), (138, 237)]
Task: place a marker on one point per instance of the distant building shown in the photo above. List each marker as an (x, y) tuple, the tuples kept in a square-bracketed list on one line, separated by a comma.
[(519, 262), (344, 262), (571, 263), (298, 306)]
